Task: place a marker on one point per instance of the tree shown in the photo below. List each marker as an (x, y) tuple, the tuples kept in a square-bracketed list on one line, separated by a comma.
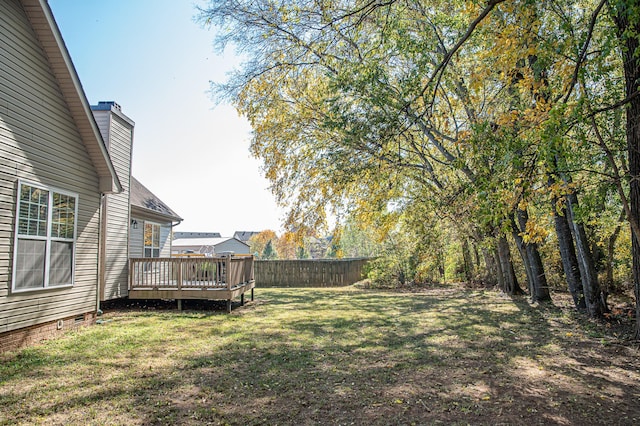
[(269, 252), (483, 112), (259, 241), (302, 253), (286, 245), (358, 240), (626, 15), (342, 124)]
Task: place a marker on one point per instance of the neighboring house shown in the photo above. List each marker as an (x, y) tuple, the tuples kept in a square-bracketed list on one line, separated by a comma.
[(117, 132), (177, 235), (244, 236), (151, 223), (54, 168), (210, 246)]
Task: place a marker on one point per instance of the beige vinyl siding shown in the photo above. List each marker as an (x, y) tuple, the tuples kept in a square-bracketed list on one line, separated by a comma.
[(136, 242), (40, 142), (119, 135), (232, 245), (165, 240), (103, 120), (136, 239)]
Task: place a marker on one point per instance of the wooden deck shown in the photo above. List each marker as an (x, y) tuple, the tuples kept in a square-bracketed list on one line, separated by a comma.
[(180, 278)]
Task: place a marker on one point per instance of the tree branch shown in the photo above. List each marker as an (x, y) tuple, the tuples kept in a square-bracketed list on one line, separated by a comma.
[(585, 48), (439, 71)]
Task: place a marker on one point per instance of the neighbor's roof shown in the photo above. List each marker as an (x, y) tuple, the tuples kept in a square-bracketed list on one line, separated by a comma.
[(144, 199), (182, 234), (244, 235), (202, 241), (48, 34)]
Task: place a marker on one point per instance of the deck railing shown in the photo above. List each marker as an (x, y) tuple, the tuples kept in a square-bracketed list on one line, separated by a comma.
[(181, 273)]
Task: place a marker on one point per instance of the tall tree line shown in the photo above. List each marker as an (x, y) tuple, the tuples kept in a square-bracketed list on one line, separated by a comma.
[(510, 120)]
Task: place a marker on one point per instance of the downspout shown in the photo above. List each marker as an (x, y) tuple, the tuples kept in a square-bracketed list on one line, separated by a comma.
[(102, 235), (171, 239)]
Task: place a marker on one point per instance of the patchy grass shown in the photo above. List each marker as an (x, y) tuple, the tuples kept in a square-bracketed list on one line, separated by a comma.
[(330, 356)]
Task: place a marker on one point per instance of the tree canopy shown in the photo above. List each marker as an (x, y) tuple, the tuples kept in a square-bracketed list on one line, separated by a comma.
[(508, 125)]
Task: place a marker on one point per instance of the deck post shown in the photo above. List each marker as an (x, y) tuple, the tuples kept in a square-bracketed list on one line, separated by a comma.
[(180, 305), (179, 277), (228, 306), (242, 299), (228, 274), (252, 295)]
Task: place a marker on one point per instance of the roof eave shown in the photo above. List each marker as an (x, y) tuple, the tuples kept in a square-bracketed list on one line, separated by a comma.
[(151, 212), (47, 31)]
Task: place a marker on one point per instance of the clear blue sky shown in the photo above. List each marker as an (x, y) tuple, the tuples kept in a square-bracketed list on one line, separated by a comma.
[(153, 59)]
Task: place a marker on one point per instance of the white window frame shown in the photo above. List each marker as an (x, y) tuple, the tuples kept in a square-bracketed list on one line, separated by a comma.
[(48, 238), (151, 247)]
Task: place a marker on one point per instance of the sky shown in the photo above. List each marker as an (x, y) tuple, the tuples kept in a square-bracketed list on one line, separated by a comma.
[(154, 60)]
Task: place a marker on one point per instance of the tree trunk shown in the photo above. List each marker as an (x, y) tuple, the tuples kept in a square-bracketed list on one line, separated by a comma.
[(468, 261), (568, 256), (523, 254), (500, 275), (540, 288), (509, 280), (608, 286), (486, 268), (588, 275), (540, 285), (492, 272), (476, 256), (590, 285), (633, 141), (628, 24)]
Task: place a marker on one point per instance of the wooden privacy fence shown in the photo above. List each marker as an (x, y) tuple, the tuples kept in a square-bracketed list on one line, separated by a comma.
[(309, 272)]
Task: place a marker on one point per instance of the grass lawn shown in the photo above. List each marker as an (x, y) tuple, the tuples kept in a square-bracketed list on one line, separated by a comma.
[(330, 356)]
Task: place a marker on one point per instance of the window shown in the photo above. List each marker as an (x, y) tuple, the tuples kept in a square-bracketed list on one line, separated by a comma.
[(44, 244), (151, 240)]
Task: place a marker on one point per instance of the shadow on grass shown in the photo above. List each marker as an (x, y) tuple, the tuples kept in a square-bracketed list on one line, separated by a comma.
[(331, 356)]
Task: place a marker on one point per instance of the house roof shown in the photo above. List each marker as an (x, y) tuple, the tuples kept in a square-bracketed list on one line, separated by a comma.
[(46, 29), (202, 241), (145, 200), (181, 234), (244, 235)]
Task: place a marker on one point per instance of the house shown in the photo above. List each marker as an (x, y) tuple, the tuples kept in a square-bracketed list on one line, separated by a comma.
[(244, 236), (210, 246), (54, 170), (151, 223)]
